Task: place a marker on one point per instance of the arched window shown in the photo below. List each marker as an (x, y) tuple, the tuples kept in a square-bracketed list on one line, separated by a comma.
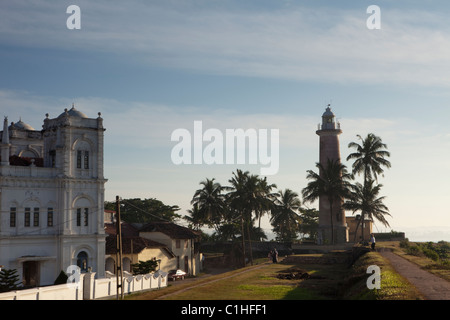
[(82, 214), (110, 265), (82, 261), (127, 265), (83, 159), (82, 152)]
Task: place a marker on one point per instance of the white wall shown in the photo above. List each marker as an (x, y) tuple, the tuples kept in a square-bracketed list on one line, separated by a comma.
[(90, 288)]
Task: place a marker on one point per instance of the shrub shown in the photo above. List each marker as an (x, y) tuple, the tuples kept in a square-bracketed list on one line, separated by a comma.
[(404, 243), (61, 279), (413, 250), (430, 253), (9, 280), (144, 267)]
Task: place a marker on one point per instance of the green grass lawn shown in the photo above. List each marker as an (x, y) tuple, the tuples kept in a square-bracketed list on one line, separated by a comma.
[(326, 282), (257, 284)]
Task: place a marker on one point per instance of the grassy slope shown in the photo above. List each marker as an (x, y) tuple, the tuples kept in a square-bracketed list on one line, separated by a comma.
[(393, 286)]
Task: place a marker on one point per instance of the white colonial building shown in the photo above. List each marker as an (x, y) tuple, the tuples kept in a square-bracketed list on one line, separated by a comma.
[(52, 197)]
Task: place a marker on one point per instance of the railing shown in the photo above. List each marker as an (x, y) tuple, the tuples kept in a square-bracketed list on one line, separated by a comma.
[(321, 127)]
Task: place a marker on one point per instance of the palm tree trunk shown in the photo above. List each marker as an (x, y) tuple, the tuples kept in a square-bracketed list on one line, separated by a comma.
[(259, 225), (362, 227), (243, 239), (356, 231), (250, 243), (259, 221), (331, 215)]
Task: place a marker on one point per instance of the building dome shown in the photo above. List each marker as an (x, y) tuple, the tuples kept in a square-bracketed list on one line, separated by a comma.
[(73, 113), (21, 126)]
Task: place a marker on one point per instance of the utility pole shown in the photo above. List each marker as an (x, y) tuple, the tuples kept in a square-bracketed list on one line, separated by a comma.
[(119, 270)]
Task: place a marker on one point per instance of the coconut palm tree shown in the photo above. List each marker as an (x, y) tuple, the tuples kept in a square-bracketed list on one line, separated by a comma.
[(332, 182), (210, 203), (285, 218), (194, 218), (238, 200), (266, 198), (248, 194), (369, 157), (364, 198)]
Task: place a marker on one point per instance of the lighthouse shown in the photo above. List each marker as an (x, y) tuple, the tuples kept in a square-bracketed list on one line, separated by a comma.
[(328, 133)]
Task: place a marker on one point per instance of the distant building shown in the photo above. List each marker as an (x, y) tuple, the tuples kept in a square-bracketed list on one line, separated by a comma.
[(52, 197), (355, 226), (173, 246), (109, 216)]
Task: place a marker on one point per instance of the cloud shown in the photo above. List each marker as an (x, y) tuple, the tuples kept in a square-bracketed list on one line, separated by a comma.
[(295, 42)]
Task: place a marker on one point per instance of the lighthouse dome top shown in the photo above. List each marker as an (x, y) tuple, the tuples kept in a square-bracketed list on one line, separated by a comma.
[(328, 113), (328, 121)]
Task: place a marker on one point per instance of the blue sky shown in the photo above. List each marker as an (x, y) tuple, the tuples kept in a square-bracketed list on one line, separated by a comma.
[(152, 67)]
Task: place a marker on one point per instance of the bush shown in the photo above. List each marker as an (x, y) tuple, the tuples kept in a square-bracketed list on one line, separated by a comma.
[(430, 253), (443, 250), (413, 250), (62, 278), (404, 243), (438, 252), (144, 267), (9, 280)]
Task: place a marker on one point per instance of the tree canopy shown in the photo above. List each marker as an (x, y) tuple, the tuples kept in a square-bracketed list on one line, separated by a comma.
[(144, 210)]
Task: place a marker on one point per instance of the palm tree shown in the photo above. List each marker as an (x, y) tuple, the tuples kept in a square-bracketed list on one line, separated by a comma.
[(266, 198), (238, 202), (369, 157), (332, 182), (247, 196), (369, 160), (285, 218), (194, 218), (210, 202), (364, 198)]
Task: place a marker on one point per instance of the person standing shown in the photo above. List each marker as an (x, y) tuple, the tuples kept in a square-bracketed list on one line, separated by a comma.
[(274, 256), (372, 241)]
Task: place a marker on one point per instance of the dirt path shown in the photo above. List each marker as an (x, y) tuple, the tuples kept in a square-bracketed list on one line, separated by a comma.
[(431, 286)]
